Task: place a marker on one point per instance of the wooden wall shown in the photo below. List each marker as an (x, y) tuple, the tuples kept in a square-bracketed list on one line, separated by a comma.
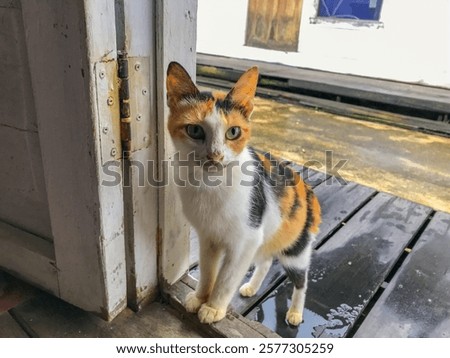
[(274, 24), (23, 197)]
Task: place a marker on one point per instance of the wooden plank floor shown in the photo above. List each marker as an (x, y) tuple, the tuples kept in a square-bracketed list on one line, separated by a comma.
[(417, 301), (29, 312), (357, 269), (381, 268)]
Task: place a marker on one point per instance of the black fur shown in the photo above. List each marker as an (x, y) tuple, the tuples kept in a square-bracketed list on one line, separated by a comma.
[(258, 196), (297, 277), (303, 239), (226, 105), (295, 206)]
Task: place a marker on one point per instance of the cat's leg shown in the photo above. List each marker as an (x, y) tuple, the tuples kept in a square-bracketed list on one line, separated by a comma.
[(262, 266), (299, 278), (297, 271), (232, 271), (210, 257)]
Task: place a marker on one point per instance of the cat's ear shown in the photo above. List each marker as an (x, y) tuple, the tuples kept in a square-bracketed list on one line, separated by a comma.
[(179, 84), (243, 92)]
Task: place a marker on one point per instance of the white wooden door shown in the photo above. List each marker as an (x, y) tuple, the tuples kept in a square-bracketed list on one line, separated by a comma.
[(60, 228), (76, 218)]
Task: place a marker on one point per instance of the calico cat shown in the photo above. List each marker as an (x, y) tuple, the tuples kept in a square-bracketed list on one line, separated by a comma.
[(239, 221)]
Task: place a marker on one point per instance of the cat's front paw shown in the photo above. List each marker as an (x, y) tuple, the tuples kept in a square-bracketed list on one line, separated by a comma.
[(208, 314), (247, 290), (192, 303), (294, 317)]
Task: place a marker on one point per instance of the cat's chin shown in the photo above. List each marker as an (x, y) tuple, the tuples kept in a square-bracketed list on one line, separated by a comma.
[(213, 167)]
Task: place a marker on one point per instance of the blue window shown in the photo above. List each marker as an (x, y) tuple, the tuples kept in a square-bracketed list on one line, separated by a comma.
[(351, 9)]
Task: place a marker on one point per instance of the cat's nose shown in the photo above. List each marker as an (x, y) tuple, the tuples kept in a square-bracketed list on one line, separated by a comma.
[(215, 157)]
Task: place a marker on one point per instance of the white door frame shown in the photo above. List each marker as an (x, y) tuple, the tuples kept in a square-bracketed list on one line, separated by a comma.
[(176, 30), (112, 245), (71, 53)]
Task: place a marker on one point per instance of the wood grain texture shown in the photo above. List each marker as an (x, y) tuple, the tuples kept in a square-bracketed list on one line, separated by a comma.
[(49, 317), (140, 190), (273, 24), (416, 302), (65, 40), (232, 326), (175, 41), (348, 269)]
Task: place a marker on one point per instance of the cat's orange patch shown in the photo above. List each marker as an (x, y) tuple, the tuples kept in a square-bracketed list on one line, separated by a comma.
[(244, 90), (292, 225), (183, 115), (235, 119), (316, 212)]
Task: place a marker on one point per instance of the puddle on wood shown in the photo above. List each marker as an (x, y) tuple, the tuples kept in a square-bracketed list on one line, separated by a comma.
[(333, 324)]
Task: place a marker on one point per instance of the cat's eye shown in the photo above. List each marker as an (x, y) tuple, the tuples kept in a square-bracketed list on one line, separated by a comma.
[(233, 133), (195, 131)]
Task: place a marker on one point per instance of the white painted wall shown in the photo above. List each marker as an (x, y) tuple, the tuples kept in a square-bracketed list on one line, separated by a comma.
[(412, 46)]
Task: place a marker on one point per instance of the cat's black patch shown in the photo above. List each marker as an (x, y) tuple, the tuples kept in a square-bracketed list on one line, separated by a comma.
[(226, 105), (303, 239), (258, 196), (199, 97), (298, 277), (295, 206), (204, 96)]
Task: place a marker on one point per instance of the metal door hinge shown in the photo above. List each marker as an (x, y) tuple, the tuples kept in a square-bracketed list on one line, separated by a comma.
[(124, 102), (107, 108), (135, 102)]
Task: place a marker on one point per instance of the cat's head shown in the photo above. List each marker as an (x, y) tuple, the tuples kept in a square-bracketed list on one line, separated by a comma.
[(215, 126)]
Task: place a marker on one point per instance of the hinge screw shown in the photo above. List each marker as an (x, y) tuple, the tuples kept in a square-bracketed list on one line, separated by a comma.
[(139, 117), (144, 91), (105, 130), (137, 66), (113, 152), (102, 74), (110, 101)]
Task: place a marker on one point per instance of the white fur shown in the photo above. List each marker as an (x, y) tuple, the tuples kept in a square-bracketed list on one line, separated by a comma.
[(220, 215)]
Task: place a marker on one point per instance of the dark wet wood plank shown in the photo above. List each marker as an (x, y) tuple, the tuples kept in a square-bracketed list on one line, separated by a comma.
[(50, 317), (9, 327), (348, 269), (338, 202), (416, 303)]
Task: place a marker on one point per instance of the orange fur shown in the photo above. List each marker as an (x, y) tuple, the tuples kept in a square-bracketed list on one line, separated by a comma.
[(279, 208), (189, 114), (234, 118), (288, 233)]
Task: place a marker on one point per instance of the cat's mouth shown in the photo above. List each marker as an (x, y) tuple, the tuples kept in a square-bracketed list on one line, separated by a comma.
[(213, 166)]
